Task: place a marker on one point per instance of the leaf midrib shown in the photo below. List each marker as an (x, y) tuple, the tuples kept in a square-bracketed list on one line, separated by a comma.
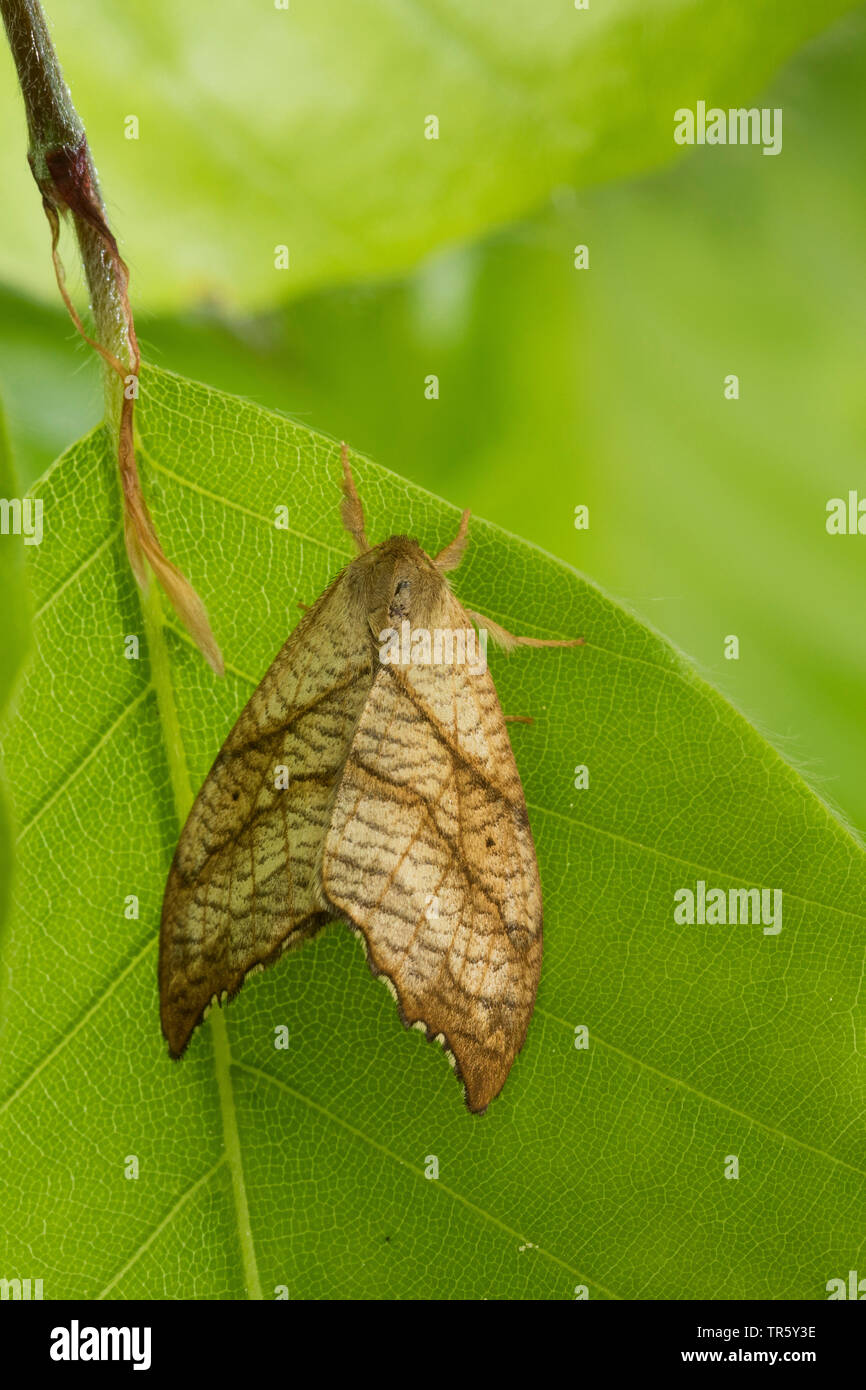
[(152, 613)]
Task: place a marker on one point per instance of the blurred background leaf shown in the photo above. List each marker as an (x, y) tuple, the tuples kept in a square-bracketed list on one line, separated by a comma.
[(261, 126)]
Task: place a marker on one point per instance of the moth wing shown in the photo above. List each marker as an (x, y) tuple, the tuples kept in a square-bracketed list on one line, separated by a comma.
[(244, 884), (430, 855)]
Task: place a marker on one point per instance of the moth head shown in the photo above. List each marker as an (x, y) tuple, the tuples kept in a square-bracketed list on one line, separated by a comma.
[(400, 582)]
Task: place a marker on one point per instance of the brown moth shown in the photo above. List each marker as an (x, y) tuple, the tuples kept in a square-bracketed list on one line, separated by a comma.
[(382, 793)]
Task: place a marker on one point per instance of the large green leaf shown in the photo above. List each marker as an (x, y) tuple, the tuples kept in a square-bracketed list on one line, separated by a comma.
[(261, 126), (304, 1168)]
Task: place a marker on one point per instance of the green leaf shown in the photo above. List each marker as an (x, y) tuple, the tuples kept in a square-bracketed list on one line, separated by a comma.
[(305, 127), (305, 1168)]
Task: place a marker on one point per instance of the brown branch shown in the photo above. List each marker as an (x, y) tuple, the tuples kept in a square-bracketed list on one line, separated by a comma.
[(59, 158)]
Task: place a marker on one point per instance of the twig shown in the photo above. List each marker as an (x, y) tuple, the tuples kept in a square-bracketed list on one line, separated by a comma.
[(59, 157)]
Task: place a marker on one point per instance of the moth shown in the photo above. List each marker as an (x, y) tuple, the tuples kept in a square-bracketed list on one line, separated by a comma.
[(382, 792)]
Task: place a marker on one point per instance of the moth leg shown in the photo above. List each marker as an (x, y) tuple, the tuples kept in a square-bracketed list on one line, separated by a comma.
[(450, 557), (351, 510), (304, 607), (507, 640), (518, 718)]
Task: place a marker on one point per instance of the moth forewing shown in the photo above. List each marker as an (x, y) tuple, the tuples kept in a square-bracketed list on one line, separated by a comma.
[(244, 884), (430, 855)]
